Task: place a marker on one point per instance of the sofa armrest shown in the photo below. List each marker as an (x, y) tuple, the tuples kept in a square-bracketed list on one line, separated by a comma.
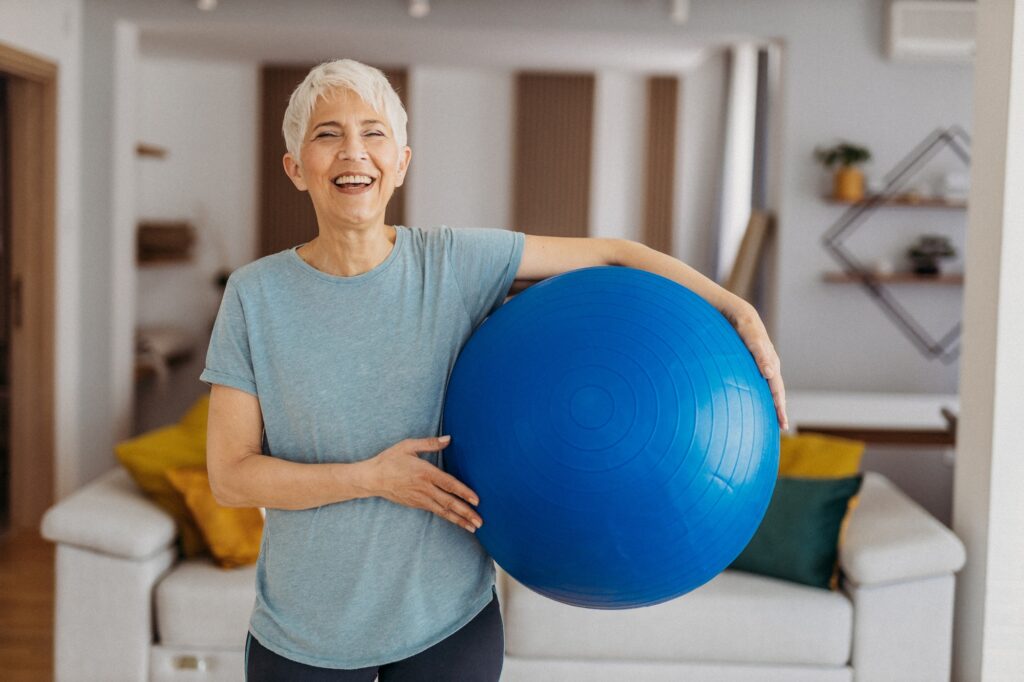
[(111, 515), (891, 538)]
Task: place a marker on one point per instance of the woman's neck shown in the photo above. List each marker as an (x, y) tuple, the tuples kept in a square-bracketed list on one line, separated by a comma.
[(347, 253)]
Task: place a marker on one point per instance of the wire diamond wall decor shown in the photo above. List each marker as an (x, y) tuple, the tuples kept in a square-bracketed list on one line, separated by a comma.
[(945, 348)]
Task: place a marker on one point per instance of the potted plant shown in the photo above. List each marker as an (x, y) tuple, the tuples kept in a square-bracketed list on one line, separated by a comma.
[(927, 253), (848, 180)]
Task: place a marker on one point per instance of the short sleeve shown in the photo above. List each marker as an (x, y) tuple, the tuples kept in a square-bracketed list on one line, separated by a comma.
[(228, 359), (485, 261)]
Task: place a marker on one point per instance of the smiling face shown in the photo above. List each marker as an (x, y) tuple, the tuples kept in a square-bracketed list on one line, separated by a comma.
[(350, 163)]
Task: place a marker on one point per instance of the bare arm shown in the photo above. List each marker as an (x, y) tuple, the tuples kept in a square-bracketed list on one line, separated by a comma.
[(241, 476)]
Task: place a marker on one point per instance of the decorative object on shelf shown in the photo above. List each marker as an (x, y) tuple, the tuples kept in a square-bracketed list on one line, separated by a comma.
[(927, 253), (954, 186), (848, 180), (946, 347), (165, 241)]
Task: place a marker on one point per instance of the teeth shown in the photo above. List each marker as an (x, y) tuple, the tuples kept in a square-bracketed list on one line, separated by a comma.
[(353, 179)]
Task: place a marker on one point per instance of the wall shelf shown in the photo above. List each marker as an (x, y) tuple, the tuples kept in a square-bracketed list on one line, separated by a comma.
[(952, 278), (144, 149), (904, 200), (164, 242), (946, 347)]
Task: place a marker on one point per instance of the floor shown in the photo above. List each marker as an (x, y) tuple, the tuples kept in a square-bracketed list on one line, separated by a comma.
[(26, 607)]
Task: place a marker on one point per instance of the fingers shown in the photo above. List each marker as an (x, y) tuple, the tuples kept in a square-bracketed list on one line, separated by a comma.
[(779, 394), (455, 510), (450, 484), (445, 482), (440, 492), (770, 366), (772, 372), (432, 444)]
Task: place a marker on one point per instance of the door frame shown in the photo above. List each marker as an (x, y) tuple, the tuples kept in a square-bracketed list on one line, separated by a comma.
[(32, 118)]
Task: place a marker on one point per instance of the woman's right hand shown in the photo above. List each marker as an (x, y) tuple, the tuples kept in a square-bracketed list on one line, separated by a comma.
[(398, 474)]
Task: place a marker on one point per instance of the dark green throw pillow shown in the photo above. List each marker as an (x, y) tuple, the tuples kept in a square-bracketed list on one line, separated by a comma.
[(799, 536)]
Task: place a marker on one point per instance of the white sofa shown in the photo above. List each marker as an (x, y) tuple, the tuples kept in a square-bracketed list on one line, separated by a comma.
[(127, 610)]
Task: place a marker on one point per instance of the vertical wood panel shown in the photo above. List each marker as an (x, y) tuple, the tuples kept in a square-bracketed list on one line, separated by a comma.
[(395, 212), (662, 99), (287, 217), (554, 129)]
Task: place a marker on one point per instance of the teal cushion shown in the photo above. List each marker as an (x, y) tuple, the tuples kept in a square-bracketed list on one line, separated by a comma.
[(799, 536)]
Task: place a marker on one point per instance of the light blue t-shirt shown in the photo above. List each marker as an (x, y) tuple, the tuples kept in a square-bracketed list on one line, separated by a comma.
[(344, 368)]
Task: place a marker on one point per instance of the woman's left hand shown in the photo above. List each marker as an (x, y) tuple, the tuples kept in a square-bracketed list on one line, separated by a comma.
[(748, 324)]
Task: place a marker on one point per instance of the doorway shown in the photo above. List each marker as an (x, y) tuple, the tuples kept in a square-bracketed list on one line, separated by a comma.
[(28, 133)]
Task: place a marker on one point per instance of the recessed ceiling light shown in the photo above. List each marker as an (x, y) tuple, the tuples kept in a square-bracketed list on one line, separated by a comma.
[(680, 11), (419, 8), (206, 5)]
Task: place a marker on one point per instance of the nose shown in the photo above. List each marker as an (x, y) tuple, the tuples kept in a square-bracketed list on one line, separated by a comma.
[(352, 147)]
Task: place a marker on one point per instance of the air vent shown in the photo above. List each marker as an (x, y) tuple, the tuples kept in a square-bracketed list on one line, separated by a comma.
[(932, 30)]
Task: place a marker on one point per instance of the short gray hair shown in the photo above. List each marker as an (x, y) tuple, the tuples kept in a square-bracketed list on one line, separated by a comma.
[(369, 83)]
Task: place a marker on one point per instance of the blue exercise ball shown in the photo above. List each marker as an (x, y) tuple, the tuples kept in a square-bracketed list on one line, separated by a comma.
[(622, 441)]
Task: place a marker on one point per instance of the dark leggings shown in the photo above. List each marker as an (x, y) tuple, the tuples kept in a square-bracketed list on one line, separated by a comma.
[(472, 654)]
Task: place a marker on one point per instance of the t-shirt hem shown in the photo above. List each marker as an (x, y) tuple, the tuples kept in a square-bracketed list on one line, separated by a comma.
[(355, 664), (212, 376)]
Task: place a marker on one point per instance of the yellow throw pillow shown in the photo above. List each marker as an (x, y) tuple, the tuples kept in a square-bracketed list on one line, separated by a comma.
[(148, 456), (194, 421), (815, 455), (233, 534)]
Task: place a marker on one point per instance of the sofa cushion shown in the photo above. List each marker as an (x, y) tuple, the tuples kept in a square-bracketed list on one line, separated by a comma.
[(201, 605), (799, 534), (734, 618), (233, 534), (149, 455)]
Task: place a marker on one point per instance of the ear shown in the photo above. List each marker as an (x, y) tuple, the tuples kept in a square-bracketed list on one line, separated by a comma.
[(294, 172), (403, 166)]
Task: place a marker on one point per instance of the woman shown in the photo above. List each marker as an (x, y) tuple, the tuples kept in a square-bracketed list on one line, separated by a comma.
[(337, 352)]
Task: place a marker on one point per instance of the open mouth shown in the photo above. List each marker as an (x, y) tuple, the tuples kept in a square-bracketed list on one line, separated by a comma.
[(353, 183)]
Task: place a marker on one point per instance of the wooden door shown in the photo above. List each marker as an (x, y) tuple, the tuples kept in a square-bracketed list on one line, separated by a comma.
[(31, 100)]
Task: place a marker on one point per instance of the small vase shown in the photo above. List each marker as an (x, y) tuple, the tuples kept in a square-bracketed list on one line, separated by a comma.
[(848, 184)]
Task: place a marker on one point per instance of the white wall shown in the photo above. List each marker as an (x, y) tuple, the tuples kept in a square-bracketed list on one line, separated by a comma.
[(703, 98), (460, 131), (618, 161), (99, 417), (53, 30), (204, 113)]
